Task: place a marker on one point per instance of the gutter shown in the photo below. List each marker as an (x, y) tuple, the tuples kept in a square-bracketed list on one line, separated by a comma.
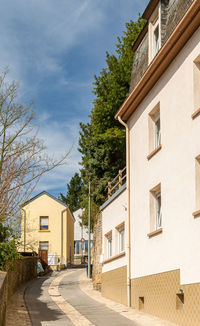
[(24, 229), (61, 237), (128, 209)]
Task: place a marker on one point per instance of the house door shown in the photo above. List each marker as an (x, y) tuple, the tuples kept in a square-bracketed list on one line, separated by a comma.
[(43, 254)]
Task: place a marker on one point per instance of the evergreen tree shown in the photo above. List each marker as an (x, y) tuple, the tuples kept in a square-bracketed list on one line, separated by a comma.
[(102, 140), (72, 198)]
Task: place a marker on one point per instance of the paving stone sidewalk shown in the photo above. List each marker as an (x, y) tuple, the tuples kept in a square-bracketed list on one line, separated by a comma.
[(140, 318), (17, 314)]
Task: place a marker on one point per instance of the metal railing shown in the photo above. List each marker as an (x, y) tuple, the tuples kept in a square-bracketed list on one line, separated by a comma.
[(117, 182)]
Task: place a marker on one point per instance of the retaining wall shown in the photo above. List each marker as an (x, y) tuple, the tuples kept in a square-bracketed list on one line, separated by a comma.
[(24, 270)]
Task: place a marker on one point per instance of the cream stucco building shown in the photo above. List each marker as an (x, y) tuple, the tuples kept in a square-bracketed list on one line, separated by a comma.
[(160, 266), (48, 224)]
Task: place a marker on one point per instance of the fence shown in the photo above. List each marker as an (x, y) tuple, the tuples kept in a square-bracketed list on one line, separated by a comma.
[(117, 182)]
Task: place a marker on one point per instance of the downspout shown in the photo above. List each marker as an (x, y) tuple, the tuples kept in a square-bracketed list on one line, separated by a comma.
[(128, 209), (61, 237), (24, 229)]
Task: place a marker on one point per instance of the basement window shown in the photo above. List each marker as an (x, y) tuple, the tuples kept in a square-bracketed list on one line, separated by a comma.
[(141, 303), (179, 301)]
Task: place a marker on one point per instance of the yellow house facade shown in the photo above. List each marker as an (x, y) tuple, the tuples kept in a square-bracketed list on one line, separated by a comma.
[(48, 224)]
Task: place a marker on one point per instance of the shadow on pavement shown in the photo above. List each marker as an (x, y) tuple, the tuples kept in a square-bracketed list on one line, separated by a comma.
[(40, 306)]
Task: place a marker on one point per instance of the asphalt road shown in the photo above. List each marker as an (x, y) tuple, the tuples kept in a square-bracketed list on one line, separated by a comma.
[(57, 299)]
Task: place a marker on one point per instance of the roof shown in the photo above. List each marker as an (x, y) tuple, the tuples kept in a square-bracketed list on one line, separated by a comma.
[(41, 194), (182, 33), (146, 15)]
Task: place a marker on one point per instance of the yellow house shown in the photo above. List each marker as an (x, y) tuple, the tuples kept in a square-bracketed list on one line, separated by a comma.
[(48, 224)]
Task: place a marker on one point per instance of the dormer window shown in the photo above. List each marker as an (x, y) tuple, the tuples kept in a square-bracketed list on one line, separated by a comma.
[(154, 34)]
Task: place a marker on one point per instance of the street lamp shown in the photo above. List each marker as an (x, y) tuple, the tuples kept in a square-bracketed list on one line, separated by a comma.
[(89, 240)]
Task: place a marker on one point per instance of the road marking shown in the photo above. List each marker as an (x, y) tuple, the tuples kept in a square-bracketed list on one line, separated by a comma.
[(73, 314)]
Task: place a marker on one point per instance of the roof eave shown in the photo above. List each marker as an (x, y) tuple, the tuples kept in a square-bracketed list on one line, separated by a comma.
[(183, 31)]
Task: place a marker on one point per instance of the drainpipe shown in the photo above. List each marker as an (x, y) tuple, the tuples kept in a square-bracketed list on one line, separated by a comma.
[(128, 208), (24, 229), (61, 237)]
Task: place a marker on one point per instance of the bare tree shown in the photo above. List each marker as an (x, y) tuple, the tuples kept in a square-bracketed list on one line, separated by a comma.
[(22, 155)]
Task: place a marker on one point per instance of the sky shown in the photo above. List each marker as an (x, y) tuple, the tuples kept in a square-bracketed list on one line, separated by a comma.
[(54, 48)]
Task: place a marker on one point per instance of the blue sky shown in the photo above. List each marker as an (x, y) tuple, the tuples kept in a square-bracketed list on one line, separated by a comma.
[(54, 48)]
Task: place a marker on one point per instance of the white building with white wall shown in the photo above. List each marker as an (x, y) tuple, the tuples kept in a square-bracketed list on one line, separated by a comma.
[(162, 120)]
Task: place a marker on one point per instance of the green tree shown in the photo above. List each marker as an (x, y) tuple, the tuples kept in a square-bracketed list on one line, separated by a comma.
[(72, 198), (102, 140)]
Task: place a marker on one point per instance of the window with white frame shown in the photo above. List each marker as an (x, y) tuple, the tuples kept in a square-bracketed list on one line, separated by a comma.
[(120, 238), (108, 245), (155, 208), (158, 211), (154, 34), (157, 134), (196, 85), (109, 239), (154, 128)]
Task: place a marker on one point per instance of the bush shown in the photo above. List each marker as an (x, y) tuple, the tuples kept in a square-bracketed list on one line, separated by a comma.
[(8, 255)]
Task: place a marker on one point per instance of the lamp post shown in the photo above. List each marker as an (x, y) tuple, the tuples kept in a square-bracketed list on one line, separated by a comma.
[(89, 232)]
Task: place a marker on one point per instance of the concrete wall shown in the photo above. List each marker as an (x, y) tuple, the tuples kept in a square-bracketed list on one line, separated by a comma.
[(114, 270), (174, 167), (114, 285), (24, 270), (113, 215), (157, 258)]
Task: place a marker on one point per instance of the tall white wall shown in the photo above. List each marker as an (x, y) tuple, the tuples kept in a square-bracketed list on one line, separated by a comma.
[(113, 215), (174, 167)]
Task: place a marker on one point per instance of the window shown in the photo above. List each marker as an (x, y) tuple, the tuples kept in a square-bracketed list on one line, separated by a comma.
[(155, 210), (154, 34), (44, 245), (158, 210), (196, 86), (157, 135), (44, 222), (197, 187), (108, 245), (154, 131), (120, 237)]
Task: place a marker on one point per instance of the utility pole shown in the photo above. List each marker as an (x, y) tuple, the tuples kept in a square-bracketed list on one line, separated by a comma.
[(89, 233)]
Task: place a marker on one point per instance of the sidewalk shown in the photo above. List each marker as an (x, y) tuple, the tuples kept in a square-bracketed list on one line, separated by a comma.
[(142, 319), (17, 314)]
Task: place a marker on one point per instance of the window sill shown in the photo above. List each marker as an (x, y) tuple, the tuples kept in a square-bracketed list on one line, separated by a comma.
[(156, 150), (195, 114), (154, 233), (44, 230), (122, 254), (196, 214)]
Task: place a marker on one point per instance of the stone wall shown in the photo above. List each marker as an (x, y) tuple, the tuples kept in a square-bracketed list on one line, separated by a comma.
[(3, 297), (24, 270), (171, 13), (97, 251)]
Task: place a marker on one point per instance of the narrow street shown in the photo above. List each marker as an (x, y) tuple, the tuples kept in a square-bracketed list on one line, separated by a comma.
[(67, 298)]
